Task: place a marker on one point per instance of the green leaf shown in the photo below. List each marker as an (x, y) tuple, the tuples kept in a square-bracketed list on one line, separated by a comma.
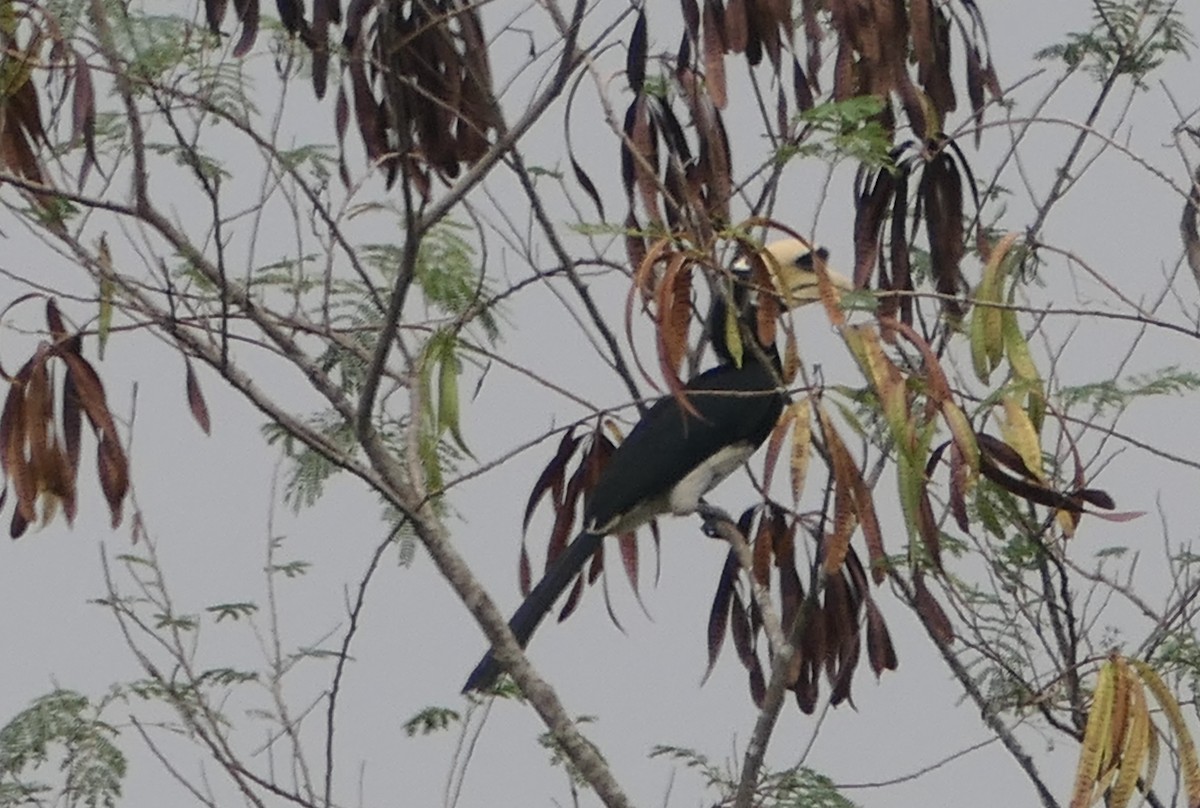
[(104, 319), (62, 736), (733, 336), (233, 611), (292, 569), (431, 720), (448, 411)]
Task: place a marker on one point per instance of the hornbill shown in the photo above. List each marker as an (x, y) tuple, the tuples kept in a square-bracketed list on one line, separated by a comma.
[(671, 458)]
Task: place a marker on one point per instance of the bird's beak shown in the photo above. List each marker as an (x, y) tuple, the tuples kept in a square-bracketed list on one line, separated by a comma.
[(803, 286)]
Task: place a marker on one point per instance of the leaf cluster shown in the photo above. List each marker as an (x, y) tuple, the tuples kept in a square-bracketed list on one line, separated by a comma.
[(1121, 742), (62, 728), (41, 430), (799, 786), (1127, 38)]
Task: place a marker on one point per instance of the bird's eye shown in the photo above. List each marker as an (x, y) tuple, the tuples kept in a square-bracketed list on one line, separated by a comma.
[(807, 260)]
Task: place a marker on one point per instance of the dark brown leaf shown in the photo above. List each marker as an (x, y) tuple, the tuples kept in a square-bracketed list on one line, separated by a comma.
[(657, 539), (718, 615), (635, 60), (781, 111), (54, 321), (317, 39), (38, 412), (72, 423), (931, 612), (366, 111), (898, 252), (596, 568), (934, 75), (16, 152), (959, 474), (864, 505), (791, 590), (941, 194), (840, 621), (1000, 452), (552, 475), (714, 55), (736, 32), (1094, 496), (920, 23), (588, 186), (801, 89), (674, 314), (927, 526), (1032, 491), (644, 159), (564, 516), (880, 651), (868, 223), (114, 475), (18, 525), (341, 117), (754, 44), (627, 542), (13, 457), (195, 399), (761, 19), (635, 244), (599, 453), (214, 14), (356, 12), (476, 115), (769, 308), (845, 77), (775, 444), (524, 571), (739, 629), (852, 505), (714, 161), (83, 114), (90, 393), (612, 613), (248, 11), (691, 17), (813, 34), (764, 545), (1188, 228), (684, 69), (291, 14), (975, 89), (812, 645)]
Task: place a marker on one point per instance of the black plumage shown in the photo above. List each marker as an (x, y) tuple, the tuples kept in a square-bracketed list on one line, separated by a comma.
[(673, 457)]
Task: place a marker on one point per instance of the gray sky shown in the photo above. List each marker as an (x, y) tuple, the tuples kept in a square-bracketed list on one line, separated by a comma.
[(208, 502)]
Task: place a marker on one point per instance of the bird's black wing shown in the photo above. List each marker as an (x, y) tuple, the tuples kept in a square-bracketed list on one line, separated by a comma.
[(736, 405)]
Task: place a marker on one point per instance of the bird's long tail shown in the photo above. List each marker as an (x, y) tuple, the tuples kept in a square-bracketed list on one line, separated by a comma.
[(539, 602)]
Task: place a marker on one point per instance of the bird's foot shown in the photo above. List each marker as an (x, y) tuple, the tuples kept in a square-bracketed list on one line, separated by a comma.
[(713, 516)]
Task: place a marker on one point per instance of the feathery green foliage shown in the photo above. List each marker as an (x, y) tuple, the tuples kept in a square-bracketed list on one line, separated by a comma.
[(61, 737)]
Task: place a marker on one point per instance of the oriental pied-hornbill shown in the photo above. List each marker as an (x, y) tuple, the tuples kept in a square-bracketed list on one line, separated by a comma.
[(672, 458)]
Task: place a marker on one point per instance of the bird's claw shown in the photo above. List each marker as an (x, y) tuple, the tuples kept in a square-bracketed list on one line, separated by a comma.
[(713, 516)]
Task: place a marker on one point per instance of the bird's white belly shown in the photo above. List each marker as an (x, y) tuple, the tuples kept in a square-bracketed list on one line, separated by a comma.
[(685, 496)]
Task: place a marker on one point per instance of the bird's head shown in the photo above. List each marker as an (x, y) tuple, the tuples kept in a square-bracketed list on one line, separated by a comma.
[(796, 267), (792, 265)]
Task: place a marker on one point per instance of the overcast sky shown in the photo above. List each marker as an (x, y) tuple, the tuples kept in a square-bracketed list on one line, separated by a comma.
[(211, 503)]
